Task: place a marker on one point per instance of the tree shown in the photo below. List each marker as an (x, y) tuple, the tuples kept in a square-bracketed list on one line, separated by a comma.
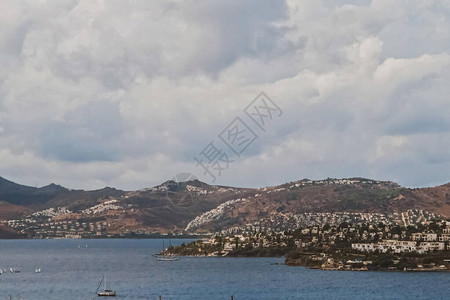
[(343, 225), (376, 238), (396, 230), (386, 262)]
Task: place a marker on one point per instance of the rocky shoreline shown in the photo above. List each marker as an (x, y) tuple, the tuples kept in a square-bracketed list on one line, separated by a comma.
[(383, 263), (438, 261)]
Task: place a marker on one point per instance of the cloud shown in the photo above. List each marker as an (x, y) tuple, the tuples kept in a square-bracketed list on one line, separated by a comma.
[(125, 94)]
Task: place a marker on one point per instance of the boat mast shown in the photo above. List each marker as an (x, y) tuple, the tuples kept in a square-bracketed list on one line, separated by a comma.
[(100, 284)]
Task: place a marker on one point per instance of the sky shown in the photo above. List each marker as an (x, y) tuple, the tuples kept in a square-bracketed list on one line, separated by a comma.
[(129, 94)]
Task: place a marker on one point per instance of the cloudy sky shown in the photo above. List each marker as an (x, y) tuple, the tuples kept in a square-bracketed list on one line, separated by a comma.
[(129, 93)]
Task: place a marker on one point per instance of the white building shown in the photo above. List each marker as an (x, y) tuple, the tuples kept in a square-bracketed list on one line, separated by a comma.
[(428, 237), (399, 246)]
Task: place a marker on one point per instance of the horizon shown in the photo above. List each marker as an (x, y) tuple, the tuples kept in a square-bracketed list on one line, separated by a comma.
[(196, 179)]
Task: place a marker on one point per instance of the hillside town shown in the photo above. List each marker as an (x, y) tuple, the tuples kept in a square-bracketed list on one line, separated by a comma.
[(412, 240), (62, 223), (288, 221), (344, 246), (59, 229)]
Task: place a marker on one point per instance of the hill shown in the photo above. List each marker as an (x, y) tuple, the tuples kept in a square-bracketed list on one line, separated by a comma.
[(196, 207), (325, 196)]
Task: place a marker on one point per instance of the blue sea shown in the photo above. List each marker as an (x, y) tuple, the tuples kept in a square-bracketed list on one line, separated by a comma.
[(72, 269)]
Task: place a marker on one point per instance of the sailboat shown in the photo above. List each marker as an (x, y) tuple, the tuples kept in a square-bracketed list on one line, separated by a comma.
[(106, 292), (166, 257)]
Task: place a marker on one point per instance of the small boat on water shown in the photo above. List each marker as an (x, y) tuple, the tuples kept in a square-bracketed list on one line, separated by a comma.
[(14, 270), (167, 258), (106, 292), (38, 270)]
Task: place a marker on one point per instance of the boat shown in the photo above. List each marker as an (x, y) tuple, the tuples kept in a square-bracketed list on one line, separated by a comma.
[(38, 270), (106, 292), (167, 258), (14, 270)]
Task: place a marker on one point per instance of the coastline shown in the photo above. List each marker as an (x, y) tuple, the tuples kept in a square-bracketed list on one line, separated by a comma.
[(360, 265), (337, 260)]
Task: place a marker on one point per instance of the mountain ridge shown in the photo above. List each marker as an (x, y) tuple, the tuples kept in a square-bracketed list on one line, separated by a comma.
[(175, 207)]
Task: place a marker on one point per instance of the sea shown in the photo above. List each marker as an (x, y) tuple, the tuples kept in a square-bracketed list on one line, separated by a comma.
[(73, 269)]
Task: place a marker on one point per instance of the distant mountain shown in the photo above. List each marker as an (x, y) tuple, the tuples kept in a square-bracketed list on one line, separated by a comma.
[(164, 208), (330, 195), (53, 188), (198, 207), (170, 206), (9, 186), (24, 195)]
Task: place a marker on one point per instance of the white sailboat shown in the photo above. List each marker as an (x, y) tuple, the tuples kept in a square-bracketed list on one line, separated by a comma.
[(106, 292), (166, 257)]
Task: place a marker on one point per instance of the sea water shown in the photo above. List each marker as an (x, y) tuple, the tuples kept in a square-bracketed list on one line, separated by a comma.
[(73, 269)]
